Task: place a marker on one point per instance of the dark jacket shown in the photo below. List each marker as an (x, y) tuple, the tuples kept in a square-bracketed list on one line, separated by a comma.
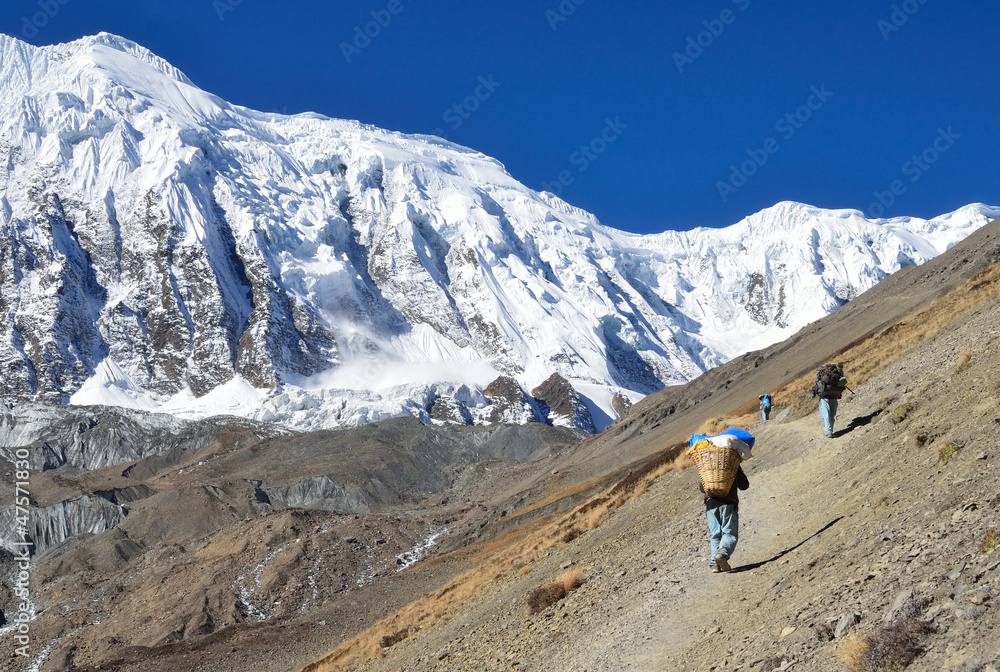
[(740, 483)]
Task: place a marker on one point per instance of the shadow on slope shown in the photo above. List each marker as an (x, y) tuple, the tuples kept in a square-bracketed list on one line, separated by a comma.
[(779, 556)]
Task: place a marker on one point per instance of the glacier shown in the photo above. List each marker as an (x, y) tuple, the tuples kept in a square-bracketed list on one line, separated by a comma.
[(163, 249)]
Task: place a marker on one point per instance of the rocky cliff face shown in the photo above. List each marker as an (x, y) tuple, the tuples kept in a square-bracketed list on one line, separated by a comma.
[(562, 405), (159, 243)]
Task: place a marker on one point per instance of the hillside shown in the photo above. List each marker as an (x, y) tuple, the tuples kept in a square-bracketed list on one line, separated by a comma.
[(832, 533)]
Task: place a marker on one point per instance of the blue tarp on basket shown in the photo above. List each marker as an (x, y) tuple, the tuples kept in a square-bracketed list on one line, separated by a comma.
[(743, 435)]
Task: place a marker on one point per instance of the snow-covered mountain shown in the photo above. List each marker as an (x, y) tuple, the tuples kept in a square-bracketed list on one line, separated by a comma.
[(164, 249)]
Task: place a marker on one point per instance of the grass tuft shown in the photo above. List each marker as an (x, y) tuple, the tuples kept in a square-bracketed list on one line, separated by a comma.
[(571, 535), (824, 632), (571, 580), (892, 647), (945, 453), (395, 638), (899, 414), (990, 541), (545, 596)]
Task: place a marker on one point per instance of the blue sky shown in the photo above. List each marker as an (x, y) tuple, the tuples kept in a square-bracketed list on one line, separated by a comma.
[(651, 115)]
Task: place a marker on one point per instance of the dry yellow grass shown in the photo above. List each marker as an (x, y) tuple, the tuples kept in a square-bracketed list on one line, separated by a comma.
[(662, 470), (851, 651), (682, 462), (594, 519), (570, 580), (562, 494), (512, 553)]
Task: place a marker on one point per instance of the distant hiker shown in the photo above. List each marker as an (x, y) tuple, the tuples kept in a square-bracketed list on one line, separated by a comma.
[(765, 405), (830, 386), (722, 511)]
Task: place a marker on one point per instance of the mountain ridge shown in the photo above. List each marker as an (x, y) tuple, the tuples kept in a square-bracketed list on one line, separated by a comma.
[(334, 273)]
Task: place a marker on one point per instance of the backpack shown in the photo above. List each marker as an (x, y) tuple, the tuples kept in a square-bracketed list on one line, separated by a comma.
[(766, 401), (831, 380)]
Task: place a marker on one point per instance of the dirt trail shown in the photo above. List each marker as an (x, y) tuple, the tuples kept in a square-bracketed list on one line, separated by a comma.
[(785, 509)]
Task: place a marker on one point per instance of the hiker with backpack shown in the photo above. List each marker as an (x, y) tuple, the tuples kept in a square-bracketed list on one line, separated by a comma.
[(765, 405), (830, 386), (721, 506)]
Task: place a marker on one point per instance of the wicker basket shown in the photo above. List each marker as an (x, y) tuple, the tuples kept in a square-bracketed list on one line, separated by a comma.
[(717, 467)]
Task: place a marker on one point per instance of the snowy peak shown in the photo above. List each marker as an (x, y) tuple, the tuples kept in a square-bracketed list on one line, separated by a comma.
[(115, 43), (52, 57), (163, 247)]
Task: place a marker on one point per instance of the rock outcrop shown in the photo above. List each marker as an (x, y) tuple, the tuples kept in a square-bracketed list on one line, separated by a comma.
[(561, 404), (620, 403), (510, 404)]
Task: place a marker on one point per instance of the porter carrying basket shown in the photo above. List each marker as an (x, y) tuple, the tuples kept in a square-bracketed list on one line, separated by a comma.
[(717, 467)]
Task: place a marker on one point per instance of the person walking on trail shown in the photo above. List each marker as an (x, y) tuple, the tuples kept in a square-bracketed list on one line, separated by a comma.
[(765, 405), (830, 385), (723, 513)]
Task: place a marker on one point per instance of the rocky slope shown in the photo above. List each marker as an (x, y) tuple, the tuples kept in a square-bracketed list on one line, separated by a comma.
[(234, 525), (164, 249)]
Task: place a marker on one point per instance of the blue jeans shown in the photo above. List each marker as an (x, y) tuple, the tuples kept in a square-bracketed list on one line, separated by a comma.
[(828, 411), (723, 527)]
